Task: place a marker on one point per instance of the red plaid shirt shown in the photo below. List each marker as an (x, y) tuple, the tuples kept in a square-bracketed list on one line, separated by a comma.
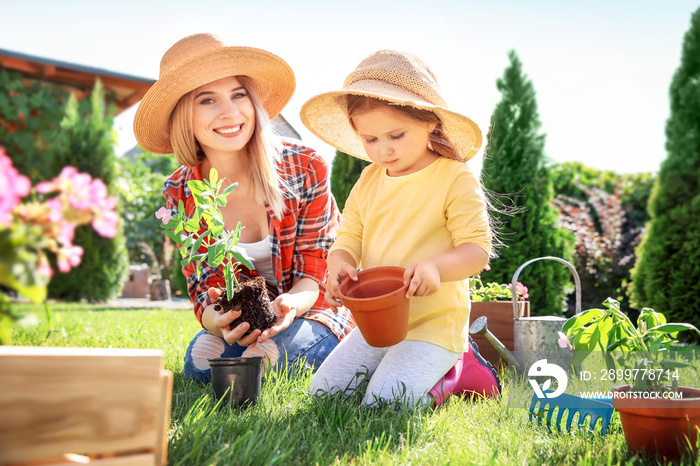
[(299, 240)]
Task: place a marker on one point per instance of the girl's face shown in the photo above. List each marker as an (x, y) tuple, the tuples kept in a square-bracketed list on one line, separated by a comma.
[(223, 116), (395, 141)]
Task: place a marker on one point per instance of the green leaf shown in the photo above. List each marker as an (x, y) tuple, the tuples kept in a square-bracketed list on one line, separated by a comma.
[(216, 254), (200, 200), (181, 209), (199, 268), (196, 186), (221, 200), (176, 238), (192, 226), (605, 331), (581, 320), (216, 226), (213, 177), (186, 243), (617, 344), (190, 259), (228, 190), (587, 340), (198, 243), (241, 256)]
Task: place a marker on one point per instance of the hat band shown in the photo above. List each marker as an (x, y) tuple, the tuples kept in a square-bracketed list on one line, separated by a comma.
[(422, 97)]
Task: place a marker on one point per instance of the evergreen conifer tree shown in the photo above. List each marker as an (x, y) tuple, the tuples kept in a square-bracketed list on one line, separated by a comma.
[(85, 142), (344, 174), (667, 273), (515, 166)]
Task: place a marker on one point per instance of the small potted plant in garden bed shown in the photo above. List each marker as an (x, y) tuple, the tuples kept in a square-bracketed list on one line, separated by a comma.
[(219, 248), (658, 416), (494, 300)]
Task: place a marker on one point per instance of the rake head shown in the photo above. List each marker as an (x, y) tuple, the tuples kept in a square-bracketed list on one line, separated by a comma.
[(589, 411)]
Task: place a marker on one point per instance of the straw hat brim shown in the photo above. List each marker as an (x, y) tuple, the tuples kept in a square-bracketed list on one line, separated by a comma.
[(273, 81), (325, 116)]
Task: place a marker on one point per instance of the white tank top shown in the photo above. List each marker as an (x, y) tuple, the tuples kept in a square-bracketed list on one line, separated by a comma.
[(261, 253)]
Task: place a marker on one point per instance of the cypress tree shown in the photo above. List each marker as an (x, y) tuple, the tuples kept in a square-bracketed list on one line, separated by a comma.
[(85, 142), (515, 168), (667, 273), (344, 174)]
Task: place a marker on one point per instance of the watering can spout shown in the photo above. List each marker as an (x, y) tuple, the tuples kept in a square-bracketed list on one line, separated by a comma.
[(479, 327)]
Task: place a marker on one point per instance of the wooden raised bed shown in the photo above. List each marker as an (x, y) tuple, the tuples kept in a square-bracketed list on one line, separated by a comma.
[(83, 405)]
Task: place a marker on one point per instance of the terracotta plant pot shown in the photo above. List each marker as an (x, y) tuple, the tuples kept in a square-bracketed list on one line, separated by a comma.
[(378, 303), (659, 427), (236, 380)]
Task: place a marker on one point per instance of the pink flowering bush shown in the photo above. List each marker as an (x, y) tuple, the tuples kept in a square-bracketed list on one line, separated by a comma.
[(493, 291), (31, 225)]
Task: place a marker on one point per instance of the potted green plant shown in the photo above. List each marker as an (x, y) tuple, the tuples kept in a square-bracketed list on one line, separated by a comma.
[(202, 237), (658, 416), (495, 301)]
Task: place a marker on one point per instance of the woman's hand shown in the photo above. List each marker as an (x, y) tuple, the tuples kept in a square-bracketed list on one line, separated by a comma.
[(336, 274), (423, 278), (222, 323), (286, 311)]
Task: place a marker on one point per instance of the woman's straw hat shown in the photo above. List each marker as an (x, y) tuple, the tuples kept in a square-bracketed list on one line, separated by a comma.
[(200, 59), (396, 77)]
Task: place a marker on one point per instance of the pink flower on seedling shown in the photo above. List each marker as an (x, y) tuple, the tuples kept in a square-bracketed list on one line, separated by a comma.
[(13, 187), (564, 342), (164, 215), (487, 267)]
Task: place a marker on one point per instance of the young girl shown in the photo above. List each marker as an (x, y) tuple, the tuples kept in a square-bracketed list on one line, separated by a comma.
[(211, 107), (417, 206)]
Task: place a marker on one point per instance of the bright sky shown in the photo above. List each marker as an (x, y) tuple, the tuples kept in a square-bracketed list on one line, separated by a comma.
[(601, 68)]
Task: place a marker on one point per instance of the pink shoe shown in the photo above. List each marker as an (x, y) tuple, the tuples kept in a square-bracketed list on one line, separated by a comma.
[(472, 374)]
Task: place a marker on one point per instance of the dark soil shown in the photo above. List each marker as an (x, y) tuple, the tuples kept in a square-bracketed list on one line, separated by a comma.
[(253, 301)]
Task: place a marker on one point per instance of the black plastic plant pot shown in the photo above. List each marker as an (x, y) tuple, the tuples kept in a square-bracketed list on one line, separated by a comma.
[(236, 381)]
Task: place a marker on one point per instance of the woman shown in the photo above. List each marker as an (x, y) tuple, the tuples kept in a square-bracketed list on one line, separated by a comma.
[(211, 107)]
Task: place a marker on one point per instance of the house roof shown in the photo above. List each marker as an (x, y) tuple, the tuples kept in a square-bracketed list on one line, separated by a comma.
[(78, 79)]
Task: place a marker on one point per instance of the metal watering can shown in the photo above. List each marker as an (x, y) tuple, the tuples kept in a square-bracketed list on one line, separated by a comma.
[(536, 338)]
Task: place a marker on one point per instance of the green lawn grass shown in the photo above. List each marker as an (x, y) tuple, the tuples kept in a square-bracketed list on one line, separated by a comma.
[(289, 426)]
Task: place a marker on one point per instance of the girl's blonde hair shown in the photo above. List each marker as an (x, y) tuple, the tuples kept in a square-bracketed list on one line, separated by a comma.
[(263, 153), (440, 142)]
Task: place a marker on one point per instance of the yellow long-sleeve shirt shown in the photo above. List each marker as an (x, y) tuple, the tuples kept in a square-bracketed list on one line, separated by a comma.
[(400, 220)]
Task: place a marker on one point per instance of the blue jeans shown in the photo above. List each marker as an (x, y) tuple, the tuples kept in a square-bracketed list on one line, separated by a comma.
[(304, 339)]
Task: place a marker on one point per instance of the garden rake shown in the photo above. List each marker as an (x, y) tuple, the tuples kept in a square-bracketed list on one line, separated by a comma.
[(588, 409)]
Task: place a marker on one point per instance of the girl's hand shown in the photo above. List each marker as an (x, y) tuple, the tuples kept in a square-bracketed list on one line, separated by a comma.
[(286, 310), (223, 320), (423, 278), (336, 275)]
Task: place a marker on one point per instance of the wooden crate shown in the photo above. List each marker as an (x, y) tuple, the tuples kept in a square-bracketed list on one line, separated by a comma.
[(499, 321), (78, 405)]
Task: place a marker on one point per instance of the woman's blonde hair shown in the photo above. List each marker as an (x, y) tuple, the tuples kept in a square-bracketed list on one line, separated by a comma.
[(440, 142), (263, 153)]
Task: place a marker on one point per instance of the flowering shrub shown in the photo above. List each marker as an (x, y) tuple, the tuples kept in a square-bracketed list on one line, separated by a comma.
[(45, 222), (493, 291)]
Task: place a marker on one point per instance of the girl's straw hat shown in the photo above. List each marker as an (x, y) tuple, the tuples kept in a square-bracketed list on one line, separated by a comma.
[(396, 77), (200, 59)]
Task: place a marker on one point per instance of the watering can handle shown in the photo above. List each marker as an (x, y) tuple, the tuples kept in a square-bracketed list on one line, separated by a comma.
[(577, 283)]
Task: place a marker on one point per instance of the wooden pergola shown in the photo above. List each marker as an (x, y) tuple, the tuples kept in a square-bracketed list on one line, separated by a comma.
[(77, 79)]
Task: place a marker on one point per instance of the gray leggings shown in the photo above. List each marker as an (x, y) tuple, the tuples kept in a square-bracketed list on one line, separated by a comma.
[(416, 364)]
